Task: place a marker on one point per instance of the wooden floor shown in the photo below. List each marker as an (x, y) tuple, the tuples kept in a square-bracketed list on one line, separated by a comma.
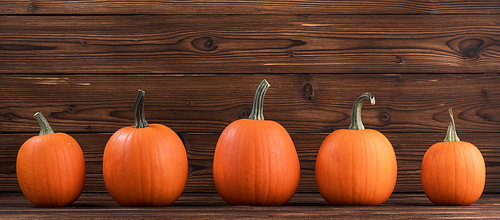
[(211, 206)]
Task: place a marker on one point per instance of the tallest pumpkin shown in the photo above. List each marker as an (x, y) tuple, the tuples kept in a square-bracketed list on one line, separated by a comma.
[(356, 166), (255, 161)]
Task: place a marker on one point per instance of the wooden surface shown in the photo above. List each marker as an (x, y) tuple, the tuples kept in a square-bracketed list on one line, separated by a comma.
[(211, 206), (250, 44), (80, 62), (247, 7), (411, 110)]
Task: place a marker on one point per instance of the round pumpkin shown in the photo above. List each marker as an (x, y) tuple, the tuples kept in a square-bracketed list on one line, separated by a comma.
[(255, 161), (356, 166), (50, 167), (453, 171), (145, 164)]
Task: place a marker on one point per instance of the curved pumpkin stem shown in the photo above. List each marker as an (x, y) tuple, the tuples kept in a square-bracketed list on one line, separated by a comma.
[(356, 123), (44, 124), (258, 101), (140, 119), (451, 134)]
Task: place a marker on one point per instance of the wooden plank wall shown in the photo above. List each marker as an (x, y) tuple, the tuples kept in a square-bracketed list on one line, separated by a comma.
[(80, 62)]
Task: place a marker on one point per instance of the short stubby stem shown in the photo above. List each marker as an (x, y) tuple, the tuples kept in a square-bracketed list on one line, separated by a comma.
[(140, 119), (356, 123), (451, 134), (258, 101), (44, 124)]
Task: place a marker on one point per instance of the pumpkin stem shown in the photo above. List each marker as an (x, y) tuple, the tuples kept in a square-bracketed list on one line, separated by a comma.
[(44, 124), (140, 119), (258, 101), (356, 123), (451, 134)]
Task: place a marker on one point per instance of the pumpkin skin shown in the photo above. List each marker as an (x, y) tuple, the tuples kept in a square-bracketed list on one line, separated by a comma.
[(145, 166), (356, 167), (255, 161), (51, 170), (453, 173)]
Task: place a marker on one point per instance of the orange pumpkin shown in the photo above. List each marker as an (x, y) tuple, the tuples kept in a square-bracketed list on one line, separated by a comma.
[(145, 164), (255, 161), (453, 172), (50, 167), (356, 166)]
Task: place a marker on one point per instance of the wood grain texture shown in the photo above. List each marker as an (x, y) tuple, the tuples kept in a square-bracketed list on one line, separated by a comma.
[(250, 44), (409, 148), (248, 7), (211, 206), (208, 103)]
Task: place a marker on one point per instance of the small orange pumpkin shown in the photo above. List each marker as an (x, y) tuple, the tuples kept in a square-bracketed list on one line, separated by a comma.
[(453, 172), (356, 166), (145, 164), (255, 161), (50, 167)]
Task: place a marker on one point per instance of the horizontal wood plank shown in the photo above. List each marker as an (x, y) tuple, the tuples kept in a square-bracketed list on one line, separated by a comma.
[(208, 103), (409, 148), (250, 44), (248, 7), (210, 205)]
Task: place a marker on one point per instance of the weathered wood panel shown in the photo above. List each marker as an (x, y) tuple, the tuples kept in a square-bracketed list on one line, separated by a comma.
[(208, 103), (250, 44), (211, 206), (248, 7), (409, 148)]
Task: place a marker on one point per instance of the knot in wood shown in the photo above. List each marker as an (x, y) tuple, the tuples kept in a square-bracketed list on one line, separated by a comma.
[(471, 52), (385, 117), (471, 47), (205, 44), (245, 113), (328, 129), (486, 93), (9, 116), (308, 90), (71, 109), (84, 44), (32, 7), (487, 116), (399, 59)]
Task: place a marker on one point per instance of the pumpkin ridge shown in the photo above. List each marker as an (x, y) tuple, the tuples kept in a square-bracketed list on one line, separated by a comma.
[(48, 189), (57, 174), (369, 190), (34, 157), (468, 157), (268, 168), (162, 194), (455, 170)]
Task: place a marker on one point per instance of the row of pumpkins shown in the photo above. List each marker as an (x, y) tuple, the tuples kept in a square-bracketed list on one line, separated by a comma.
[(255, 163)]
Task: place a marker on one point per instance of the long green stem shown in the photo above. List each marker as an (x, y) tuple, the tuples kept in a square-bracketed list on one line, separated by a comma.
[(258, 101), (356, 123), (140, 119), (451, 134), (44, 124)]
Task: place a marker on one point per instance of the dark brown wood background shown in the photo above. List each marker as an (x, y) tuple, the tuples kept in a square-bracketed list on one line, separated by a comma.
[(80, 62)]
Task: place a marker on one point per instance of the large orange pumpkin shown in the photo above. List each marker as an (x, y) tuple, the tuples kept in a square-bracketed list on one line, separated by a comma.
[(356, 166), (50, 167), (255, 161), (453, 172), (145, 164)]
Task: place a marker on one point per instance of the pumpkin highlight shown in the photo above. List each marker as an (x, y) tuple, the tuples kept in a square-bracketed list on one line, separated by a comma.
[(356, 166), (255, 161), (145, 164), (453, 171), (50, 167)]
